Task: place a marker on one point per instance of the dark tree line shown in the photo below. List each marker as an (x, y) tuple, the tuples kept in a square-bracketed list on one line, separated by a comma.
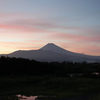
[(21, 66)]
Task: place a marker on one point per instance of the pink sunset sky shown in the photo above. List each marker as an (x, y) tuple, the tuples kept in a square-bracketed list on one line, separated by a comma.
[(30, 24)]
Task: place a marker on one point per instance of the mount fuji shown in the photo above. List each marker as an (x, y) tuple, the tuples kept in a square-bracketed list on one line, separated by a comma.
[(53, 53)]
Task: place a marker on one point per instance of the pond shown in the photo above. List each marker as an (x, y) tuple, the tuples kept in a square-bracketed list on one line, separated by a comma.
[(22, 97), (51, 97)]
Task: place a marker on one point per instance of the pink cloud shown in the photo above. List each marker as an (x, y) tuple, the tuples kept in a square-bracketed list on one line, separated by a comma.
[(16, 27), (40, 25), (43, 26), (75, 38), (23, 28)]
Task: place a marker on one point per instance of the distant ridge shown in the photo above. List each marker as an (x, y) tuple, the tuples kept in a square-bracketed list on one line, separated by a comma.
[(51, 53)]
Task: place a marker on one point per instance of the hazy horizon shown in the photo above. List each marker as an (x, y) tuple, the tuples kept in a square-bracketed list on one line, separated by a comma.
[(73, 25)]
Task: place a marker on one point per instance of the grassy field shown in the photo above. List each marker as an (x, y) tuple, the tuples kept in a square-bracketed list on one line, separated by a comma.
[(61, 87)]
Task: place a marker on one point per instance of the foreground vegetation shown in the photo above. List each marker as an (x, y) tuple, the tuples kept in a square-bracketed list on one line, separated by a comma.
[(30, 77), (48, 85)]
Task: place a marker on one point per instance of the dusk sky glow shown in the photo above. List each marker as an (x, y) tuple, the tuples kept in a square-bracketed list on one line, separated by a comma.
[(30, 24)]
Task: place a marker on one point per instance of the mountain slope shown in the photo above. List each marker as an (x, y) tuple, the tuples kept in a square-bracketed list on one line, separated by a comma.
[(40, 55), (55, 48)]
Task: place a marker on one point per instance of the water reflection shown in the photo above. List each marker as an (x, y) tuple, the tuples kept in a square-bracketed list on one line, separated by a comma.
[(22, 97), (46, 98)]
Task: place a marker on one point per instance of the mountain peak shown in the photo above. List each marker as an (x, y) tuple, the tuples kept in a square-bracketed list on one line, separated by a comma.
[(54, 48), (50, 44)]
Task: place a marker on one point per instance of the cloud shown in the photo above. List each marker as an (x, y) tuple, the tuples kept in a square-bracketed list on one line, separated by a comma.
[(44, 26), (75, 38), (39, 24), (21, 28)]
